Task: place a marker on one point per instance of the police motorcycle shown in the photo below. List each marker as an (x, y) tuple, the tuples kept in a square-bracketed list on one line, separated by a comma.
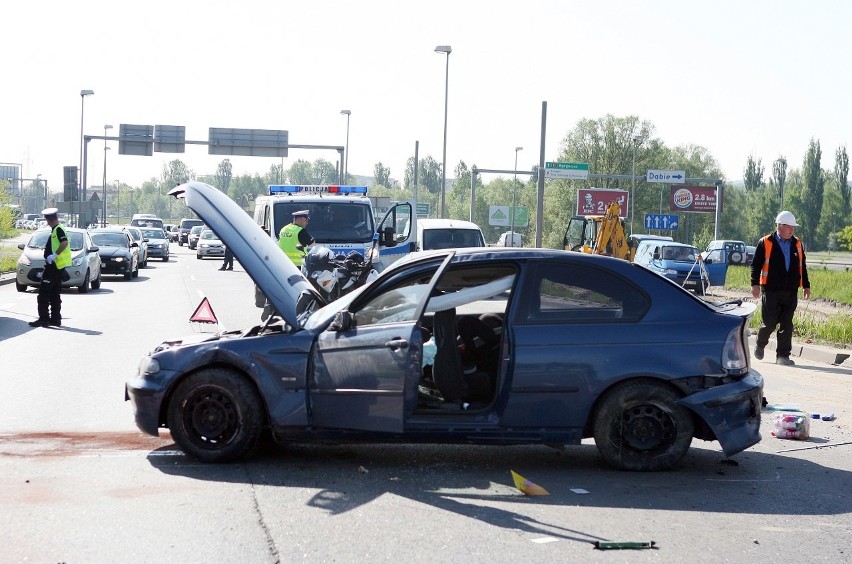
[(336, 275)]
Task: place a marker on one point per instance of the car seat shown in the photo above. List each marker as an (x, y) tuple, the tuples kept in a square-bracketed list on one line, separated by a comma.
[(447, 371)]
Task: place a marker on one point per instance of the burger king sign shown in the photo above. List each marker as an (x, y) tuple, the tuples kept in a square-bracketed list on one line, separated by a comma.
[(693, 199)]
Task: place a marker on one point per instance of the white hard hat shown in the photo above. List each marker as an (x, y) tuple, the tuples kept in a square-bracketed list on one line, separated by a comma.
[(786, 218)]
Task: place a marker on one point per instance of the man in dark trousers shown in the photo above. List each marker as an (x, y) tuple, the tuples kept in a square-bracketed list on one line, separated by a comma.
[(778, 271), (57, 256), (228, 262)]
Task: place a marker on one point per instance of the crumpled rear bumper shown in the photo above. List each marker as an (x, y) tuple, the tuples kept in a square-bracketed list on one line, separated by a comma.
[(732, 411)]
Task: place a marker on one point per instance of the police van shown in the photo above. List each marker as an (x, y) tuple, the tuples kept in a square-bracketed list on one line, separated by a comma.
[(341, 218)]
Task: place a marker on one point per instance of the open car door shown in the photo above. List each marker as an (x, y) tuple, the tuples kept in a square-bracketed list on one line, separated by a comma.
[(369, 362)]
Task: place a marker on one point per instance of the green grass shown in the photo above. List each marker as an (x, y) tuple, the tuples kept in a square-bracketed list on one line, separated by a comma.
[(830, 285)]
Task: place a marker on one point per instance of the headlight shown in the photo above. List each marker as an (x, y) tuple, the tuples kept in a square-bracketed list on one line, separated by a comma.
[(24, 261), (671, 271), (118, 259), (78, 261), (148, 365)]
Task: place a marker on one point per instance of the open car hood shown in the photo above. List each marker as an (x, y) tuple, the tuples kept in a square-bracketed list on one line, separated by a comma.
[(275, 274)]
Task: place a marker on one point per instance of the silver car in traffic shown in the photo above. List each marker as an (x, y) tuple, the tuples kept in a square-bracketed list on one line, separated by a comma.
[(85, 269)]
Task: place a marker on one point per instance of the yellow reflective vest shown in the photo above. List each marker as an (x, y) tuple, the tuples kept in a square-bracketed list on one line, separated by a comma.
[(288, 240), (63, 259)]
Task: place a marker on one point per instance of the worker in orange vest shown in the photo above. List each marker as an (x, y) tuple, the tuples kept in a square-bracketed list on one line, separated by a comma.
[(778, 271)]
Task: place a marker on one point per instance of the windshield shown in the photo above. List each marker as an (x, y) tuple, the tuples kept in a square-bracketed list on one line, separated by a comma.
[(153, 233), (208, 234), (330, 222), (678, 253), (39, 240), (109, 240), (196, 230)]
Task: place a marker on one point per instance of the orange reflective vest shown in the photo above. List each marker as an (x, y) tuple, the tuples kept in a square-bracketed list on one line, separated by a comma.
[(767, 250)]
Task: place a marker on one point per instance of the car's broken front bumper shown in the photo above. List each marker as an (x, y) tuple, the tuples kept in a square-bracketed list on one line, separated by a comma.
[(732, 411)]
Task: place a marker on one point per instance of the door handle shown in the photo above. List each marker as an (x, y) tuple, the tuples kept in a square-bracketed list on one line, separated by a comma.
[(397, 344)]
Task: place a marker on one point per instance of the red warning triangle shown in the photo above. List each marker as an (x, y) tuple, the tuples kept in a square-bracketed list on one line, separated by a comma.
[(204, 313)]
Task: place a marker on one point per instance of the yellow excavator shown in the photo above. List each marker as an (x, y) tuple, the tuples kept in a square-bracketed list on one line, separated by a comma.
[(599, 234)]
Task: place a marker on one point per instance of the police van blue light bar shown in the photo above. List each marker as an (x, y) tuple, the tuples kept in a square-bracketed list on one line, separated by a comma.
[(315, 189)]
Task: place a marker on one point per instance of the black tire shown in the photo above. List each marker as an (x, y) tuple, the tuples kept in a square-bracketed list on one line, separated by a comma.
[(215, 416), (96, 283), (84, 287), (198, 257), (128, 275), (136, 271), (21, 287), (639, 426)]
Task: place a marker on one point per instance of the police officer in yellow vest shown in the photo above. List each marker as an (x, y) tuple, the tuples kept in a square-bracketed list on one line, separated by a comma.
[(295, 234), (57, 256), (778, 271)]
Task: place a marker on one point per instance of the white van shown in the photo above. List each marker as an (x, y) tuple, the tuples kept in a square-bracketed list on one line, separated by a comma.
[(508, 239), (447, 234)]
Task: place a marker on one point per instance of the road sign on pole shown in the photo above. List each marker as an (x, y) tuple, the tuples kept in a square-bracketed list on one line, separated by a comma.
[(666, 176), (569, 171), (663, 221)]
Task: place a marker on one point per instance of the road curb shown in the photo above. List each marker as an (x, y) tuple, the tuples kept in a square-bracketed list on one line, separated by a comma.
[(808, 351)]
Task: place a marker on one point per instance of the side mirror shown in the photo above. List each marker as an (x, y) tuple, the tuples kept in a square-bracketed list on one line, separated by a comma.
[(656, 256), (341, 322), (388, 237), (21, 246), (94, 249)]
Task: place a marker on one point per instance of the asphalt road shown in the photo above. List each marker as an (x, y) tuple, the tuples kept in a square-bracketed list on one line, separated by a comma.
[(79, 483)]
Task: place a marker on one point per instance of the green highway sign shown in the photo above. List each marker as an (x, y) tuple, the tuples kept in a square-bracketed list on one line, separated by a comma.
[(422, 209), (568, 171)]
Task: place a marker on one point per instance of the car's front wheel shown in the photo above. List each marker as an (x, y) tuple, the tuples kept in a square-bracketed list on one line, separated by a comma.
[(96, 283), (84, 287), (215, 415), (639, 426), (198, 257), (21, 287)]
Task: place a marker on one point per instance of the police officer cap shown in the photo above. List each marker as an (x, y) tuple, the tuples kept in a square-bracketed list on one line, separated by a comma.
[(301, 213), (49, 211)]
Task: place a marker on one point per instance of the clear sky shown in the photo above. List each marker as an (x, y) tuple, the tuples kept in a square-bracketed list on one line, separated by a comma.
[(737, 77)]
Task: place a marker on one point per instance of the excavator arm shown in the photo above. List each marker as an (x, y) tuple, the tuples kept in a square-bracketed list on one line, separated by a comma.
[(611, 239)]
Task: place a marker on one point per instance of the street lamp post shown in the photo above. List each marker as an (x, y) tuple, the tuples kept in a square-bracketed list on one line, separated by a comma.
[(346, 113), (104, 213), (514, 182), (117, 202), (444, 49), (636, 139), (83, 94), (781, 174)]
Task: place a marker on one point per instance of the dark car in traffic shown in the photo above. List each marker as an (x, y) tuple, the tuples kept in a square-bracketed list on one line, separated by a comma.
[(490, 346), (186, 225), (119, 253)]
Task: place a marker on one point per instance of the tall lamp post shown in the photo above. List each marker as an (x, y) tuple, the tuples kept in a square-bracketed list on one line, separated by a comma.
[(512, 211), (103, 214), (781, 175), (636, 140), (444, 49), (117, 202), (346, 113), (83, 94)]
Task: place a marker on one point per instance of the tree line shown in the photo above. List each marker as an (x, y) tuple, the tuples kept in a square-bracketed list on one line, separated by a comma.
[(819, 197)]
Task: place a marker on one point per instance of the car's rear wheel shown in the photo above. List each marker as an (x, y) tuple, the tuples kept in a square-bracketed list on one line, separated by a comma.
[(639, 426), (736, 257), (21, 287), (215, 416), (84, 287)]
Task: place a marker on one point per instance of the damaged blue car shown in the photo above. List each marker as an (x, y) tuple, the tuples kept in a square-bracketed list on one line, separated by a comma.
[(489, 346)]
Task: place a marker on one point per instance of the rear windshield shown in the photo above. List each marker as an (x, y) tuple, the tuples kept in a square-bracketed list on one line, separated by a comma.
[(189, 223), (451, 238), (330, 222)]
